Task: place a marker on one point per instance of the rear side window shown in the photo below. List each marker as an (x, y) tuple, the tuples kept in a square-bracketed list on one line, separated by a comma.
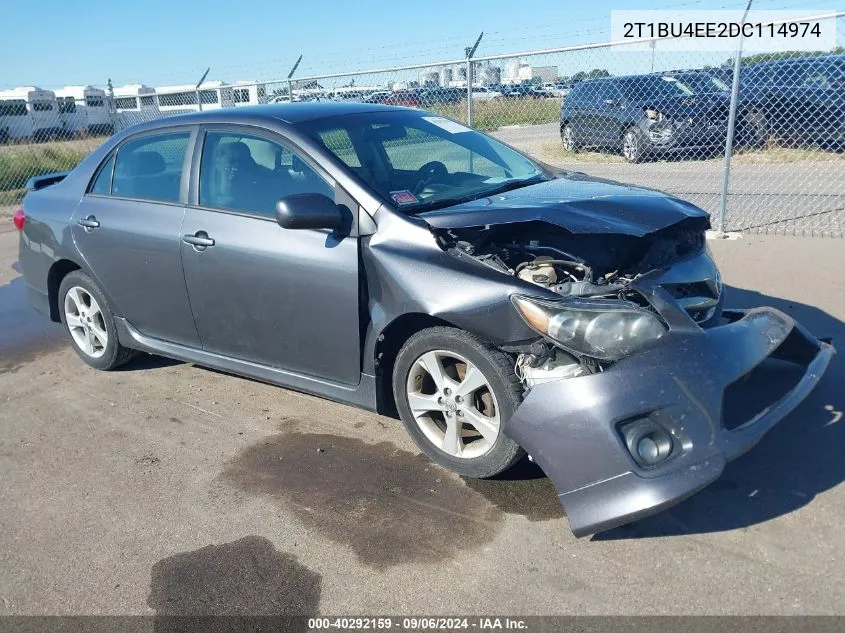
[(150, 168), (251, 174)]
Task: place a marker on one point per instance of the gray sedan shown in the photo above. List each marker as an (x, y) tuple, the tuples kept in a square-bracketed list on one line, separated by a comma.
[(396, 260)]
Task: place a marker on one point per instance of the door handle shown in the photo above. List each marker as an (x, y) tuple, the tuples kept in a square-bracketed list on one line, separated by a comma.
[(198, 240), (90, 223)]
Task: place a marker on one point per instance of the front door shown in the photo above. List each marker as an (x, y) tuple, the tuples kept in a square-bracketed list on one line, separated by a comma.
[(284, 298), (127, 227)]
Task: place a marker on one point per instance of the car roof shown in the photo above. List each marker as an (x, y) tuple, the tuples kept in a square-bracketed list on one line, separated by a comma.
[(291, 113)]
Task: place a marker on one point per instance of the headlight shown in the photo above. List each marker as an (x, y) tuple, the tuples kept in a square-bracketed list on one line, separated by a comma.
[(606, 330)]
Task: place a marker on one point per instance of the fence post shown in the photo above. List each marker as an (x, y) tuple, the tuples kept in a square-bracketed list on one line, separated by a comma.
[(290, 90), (469, 91), (729, 142)]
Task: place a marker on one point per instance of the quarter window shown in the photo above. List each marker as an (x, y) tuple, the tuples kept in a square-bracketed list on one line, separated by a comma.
[(247, 173), (150, 168), (102, 185)]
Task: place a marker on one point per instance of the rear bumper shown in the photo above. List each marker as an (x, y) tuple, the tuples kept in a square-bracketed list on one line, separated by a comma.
[(570, 427)]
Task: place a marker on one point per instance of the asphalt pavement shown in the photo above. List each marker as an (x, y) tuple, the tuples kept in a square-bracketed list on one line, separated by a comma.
[(168, 488), (799, 197)]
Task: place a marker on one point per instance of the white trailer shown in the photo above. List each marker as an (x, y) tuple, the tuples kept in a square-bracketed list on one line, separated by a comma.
[(249, 93), (213, 95), (30, 112), (84, 109), (134, 103)]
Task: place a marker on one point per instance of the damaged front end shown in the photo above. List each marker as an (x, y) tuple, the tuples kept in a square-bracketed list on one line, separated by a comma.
[(625, 406)]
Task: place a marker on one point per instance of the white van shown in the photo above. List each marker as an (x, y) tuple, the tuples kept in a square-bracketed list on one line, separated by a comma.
[(213, 95), (41, 121), (84, 109), (134, 103), (249, 93)]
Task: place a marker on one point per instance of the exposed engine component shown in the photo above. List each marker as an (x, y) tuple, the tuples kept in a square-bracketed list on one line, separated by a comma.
[(558, 365)]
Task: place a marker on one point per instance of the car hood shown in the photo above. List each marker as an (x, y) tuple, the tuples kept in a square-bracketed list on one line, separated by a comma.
[(579, 204), (691, 106)]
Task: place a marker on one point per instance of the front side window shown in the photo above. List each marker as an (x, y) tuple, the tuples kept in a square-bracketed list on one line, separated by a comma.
[(651, 87), (242, 172), (416, 160), (150, 168)]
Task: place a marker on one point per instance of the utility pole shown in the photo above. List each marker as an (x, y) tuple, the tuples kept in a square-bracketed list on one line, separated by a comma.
[(197, 89), (470, 51), (290, 75)]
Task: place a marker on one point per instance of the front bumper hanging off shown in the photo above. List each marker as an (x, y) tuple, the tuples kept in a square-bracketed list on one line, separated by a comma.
[(571, 427)]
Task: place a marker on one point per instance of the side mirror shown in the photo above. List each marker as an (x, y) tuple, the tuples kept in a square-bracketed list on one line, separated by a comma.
[(308, 211)]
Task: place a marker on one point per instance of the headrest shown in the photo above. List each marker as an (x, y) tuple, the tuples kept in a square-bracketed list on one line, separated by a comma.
[(146, 164)]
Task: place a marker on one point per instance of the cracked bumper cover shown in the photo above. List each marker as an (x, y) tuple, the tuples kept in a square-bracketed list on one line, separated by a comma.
[(570, 427)]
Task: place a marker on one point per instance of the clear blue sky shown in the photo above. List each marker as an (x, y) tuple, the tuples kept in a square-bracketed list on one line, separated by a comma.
[(58, 42)]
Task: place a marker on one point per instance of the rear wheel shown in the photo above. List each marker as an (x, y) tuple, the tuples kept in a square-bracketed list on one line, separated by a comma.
[(86, 315), (454, 393)]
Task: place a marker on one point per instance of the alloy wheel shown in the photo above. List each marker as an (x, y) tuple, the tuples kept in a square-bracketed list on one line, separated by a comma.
[(568, 139), (630, 146), (85, 321), (453, 404)]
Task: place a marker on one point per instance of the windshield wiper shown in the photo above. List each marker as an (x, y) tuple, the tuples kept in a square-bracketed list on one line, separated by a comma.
[(477, 195)]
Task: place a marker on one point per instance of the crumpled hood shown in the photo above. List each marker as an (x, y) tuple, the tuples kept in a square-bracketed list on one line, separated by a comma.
[(579, 204)]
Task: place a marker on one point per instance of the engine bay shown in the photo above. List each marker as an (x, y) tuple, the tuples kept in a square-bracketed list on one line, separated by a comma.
[(595, 265)]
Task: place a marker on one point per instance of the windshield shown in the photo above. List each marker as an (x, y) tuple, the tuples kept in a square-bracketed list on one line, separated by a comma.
[(415, 160), (702, 83), (655, 87)]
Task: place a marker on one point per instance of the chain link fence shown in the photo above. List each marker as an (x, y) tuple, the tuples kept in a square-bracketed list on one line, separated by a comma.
[(659, 118)]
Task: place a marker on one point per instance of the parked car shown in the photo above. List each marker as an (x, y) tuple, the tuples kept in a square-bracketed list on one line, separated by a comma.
[(518, 91), (547, 91), (800, 101), (406, 98), (482, 93), (444, 95), (497, 305), (643, 116)]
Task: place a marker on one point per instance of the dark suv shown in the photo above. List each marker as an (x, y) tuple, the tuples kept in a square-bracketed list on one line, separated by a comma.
[(643, 116), (799, 100)]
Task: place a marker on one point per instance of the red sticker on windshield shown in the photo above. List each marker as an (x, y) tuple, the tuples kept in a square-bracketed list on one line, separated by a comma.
[(403, 197)]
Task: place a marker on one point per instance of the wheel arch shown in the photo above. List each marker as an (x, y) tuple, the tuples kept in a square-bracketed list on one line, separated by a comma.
[(58, 271), (390, 340)]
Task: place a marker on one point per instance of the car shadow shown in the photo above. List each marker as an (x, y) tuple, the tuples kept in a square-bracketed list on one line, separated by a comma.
[(799, 459)]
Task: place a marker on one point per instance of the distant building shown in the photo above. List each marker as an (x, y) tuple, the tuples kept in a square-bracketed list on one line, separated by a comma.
[(521, 72)]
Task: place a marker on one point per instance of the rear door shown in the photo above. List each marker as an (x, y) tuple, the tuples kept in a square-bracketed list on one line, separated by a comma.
[(606, 115), (284, 298), (127, 229)]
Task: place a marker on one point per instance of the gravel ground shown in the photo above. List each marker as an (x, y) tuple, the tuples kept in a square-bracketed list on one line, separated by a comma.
[(167, 488)]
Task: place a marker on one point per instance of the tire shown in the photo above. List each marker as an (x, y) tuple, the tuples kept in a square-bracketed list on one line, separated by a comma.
[(568, 138), (86, 316), (755, 128), (634, 145), (464, 450)]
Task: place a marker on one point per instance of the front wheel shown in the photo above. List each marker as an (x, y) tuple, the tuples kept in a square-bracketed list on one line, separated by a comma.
[(567, 137), (454, 393), (634, 146)]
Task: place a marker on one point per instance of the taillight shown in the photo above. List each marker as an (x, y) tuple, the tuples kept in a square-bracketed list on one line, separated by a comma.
[(19, 219)]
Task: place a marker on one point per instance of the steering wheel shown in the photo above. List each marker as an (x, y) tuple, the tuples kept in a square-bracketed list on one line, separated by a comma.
[(429, 173)]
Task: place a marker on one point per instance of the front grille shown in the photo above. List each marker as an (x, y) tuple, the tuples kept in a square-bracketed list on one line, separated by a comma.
[(699, 298)]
